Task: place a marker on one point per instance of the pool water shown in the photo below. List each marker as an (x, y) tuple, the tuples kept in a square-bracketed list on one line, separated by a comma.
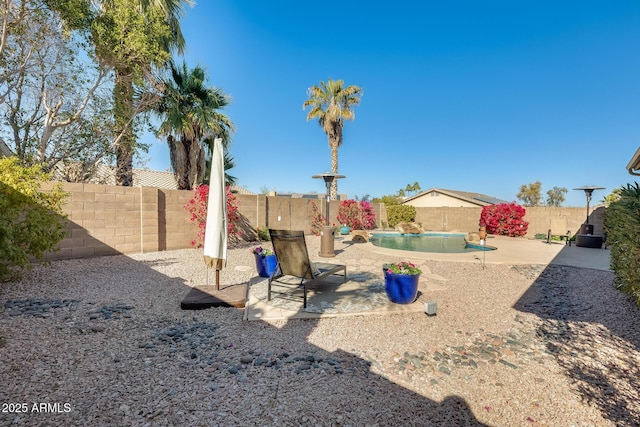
[(428, 242)]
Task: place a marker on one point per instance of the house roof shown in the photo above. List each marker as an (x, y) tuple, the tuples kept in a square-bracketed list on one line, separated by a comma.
[(476, 198), (149, 178), (634, 164)]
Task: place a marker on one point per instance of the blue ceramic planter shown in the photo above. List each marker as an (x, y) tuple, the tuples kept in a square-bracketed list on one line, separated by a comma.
[(345, 230), (401, 288), (266, 265)]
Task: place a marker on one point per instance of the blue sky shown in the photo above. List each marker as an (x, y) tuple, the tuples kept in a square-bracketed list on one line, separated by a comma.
[(463, 95)]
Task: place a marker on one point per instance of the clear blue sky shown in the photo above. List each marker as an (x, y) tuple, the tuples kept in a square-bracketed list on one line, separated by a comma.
[(463, 95)]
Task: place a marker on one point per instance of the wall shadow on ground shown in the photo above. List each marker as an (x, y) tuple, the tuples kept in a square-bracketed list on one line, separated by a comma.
[(143, 342), (593, 331)]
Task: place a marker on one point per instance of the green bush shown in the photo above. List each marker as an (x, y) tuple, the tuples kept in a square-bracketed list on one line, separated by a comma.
[(622, 225), (400, 213), (32, 221), (263, 234)]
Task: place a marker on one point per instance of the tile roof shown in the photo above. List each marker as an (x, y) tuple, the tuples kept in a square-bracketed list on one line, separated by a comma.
[(146, 178), (477, 198)]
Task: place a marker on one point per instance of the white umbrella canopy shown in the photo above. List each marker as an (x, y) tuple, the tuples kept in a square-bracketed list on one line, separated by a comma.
[(215, 233)]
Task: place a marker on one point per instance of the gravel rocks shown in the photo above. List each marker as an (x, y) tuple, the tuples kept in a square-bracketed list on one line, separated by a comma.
[(38, 307), (510, 345)]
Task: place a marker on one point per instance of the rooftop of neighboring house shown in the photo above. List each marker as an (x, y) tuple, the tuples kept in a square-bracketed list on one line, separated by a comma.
[(478, 199)]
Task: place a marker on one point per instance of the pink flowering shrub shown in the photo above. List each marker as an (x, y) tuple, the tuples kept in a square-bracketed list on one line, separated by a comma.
[(197, 207), (505, 219), (317, 219), (358, 216)]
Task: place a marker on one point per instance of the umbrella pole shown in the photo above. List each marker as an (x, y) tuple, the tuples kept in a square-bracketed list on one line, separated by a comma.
[(217, 280)]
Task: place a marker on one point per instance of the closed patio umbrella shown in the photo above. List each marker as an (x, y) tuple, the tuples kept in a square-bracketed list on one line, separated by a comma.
[(215, 234)]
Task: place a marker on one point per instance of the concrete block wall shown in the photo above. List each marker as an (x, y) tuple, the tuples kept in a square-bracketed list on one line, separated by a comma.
[(106, 220)]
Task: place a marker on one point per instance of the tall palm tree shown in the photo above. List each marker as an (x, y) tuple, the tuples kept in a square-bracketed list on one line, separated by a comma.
[(331, 103), (191, 121)]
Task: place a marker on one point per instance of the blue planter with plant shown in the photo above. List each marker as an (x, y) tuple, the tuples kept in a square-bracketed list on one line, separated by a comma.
[(401, 282), (345, 229), (266, 261)]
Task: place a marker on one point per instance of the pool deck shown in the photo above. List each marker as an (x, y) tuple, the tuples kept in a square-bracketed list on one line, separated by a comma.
[(511, 251)]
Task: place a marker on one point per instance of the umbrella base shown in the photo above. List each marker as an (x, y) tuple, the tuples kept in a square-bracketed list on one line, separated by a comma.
[(201, 297)]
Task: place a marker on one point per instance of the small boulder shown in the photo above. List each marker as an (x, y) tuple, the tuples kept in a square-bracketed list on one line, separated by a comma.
[(359, 236), (472, 237), (409, 228)]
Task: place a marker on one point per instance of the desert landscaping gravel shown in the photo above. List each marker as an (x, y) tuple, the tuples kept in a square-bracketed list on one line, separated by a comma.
[(103, 341)]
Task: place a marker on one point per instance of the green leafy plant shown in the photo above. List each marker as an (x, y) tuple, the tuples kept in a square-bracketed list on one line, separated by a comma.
[(263, 234), (403, 267), (400, 213), (622, 225), (32, 222), (261, 251)]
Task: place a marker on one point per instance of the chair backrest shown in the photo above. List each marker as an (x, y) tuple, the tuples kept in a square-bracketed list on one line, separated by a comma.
[(291, 251)]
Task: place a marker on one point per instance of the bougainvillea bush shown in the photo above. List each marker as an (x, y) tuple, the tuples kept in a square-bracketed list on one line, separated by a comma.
[(197, 207), (317, 219), (505, 219), (358, 216)]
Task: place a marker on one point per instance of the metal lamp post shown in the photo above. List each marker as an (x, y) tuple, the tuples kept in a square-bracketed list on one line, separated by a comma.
[(585, 237), (326, 241), (588, 190)]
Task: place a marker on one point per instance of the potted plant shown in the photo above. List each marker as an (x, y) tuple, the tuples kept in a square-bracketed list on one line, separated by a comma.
[(401, 282), (266, 262), (345, 229)]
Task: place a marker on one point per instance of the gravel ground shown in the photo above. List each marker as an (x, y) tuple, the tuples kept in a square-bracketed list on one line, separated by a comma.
[(103, 342)]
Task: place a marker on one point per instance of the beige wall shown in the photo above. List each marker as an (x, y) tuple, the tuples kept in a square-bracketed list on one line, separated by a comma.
[(436, 199), (105, 219)]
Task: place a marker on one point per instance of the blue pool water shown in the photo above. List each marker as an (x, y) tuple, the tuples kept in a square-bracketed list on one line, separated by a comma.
[(427, 242)]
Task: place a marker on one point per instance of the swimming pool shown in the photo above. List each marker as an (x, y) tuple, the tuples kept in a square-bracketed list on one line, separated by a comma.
[(428, 242)]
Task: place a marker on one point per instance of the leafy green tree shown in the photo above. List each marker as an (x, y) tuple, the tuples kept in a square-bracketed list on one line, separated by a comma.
[(416, 187), (387, 200), (132, 37), (331, 104), (191, 121), (52, 90), (32, 221), (613, 197), (530, 194), (555, 196)]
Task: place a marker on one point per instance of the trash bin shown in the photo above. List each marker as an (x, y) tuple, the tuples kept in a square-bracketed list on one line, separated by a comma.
[(326, 241)]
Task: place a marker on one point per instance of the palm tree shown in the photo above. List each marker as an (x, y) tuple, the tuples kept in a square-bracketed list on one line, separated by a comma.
[(331, 103), (191, 122)]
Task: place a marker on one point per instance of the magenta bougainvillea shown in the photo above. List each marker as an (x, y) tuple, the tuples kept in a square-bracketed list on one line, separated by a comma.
[(357, 215), (317, 219), (505, 219), (197, 207)]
